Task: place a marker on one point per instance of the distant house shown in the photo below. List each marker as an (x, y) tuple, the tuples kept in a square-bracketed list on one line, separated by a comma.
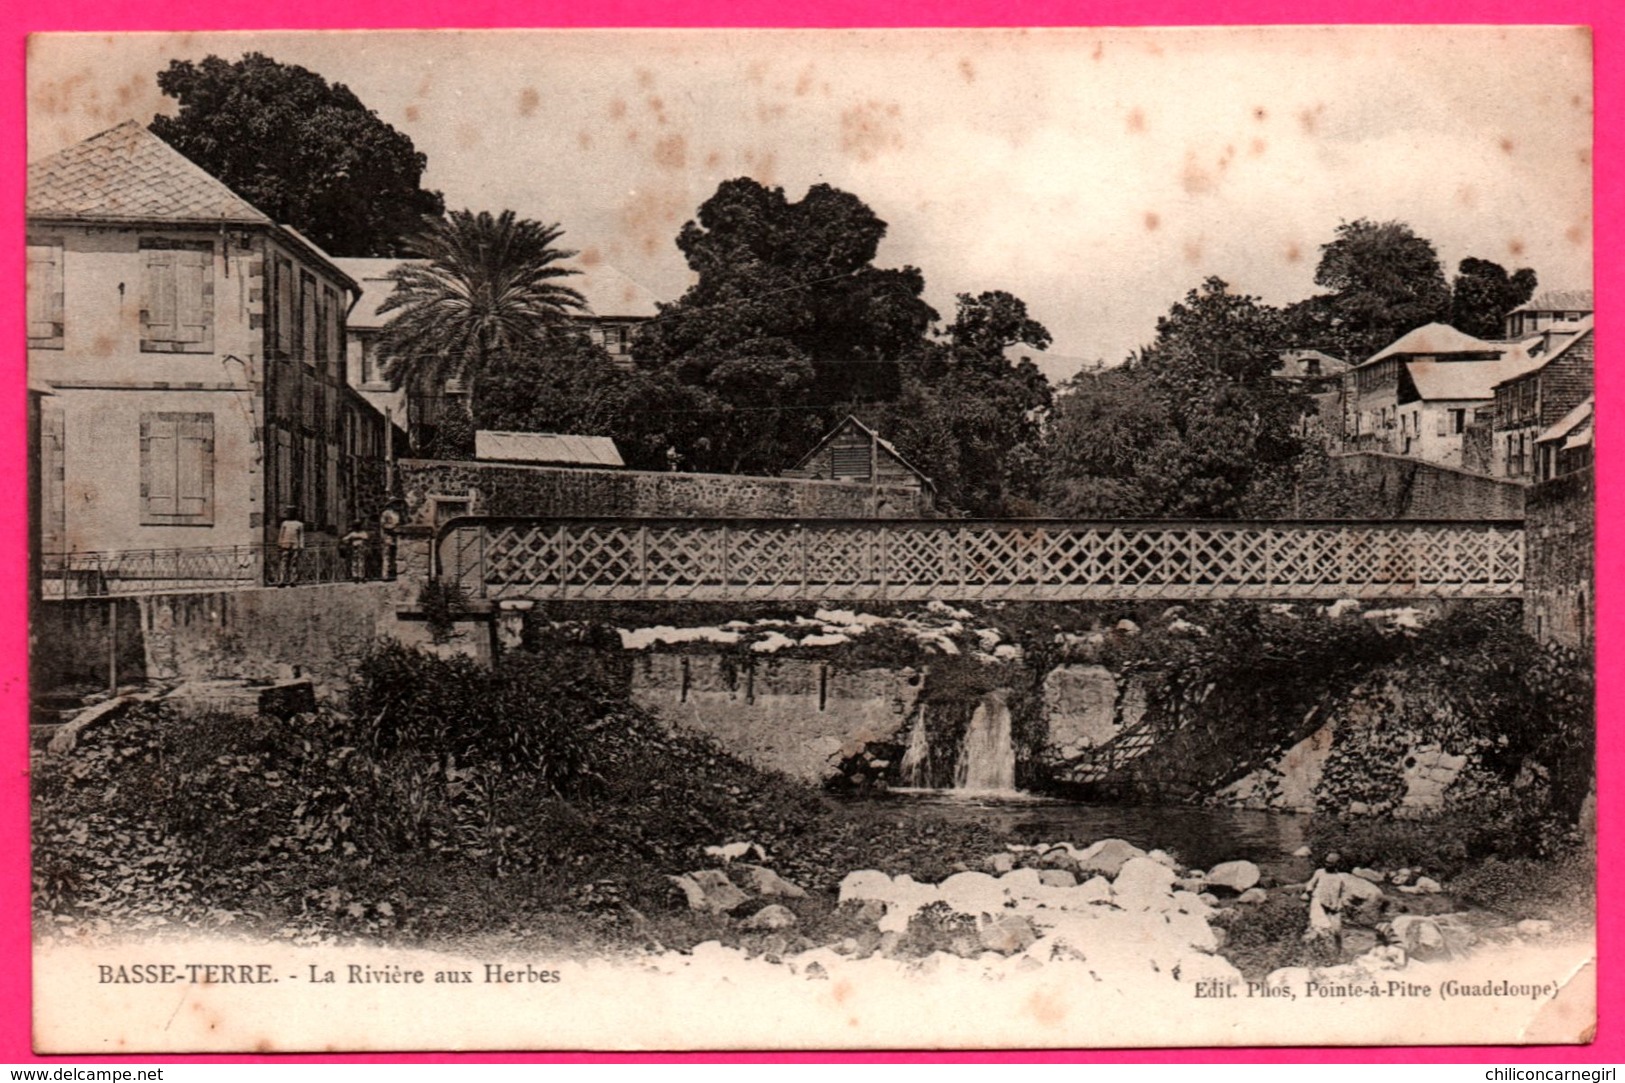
[(1320, 376), (1530, 403), (192, 349), (1310, 367), (1559, 311), (615, 302), (853, 452), (1417, 395), (547, 449), (1566, 447)]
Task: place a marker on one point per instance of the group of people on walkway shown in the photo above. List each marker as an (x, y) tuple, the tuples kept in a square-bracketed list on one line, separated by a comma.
[(355, 548)]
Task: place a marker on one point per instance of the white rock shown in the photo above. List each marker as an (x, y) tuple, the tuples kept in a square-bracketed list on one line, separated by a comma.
[(1428, 886), (864, 884), (772, 916), (1199, 966), (972, 893), (1235, 876), (1142, 884), (1302, 851)]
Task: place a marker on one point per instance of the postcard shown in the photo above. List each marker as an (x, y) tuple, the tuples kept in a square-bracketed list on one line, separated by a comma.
[(823, 539)]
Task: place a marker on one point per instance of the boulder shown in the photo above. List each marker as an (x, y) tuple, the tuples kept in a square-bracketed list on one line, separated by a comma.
[(772, 916), (1059, 857), (1302, 851), (709, 890), (1253, 896), (999, 864), (1107, 857), (1200, 966), (1006, 934), (764, 881), (864, 884), (1428, 886), (1196, 884), (1057, 878), (1163, 857), (1142, 884), (1438, 937), (1128, 627), (1236, 876), (972, 893), (1096, 889)]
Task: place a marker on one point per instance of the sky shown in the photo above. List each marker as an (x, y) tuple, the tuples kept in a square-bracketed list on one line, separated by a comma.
[(1097, 174)]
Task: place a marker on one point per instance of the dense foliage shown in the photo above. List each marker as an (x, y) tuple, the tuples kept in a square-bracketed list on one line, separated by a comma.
[(306, 152)]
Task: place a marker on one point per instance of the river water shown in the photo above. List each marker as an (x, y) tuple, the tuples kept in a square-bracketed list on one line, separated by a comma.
[(1198, 837)]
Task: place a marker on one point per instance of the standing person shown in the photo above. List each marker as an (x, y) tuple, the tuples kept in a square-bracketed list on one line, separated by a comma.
[(290, 543), (356, 543), (389, 521)]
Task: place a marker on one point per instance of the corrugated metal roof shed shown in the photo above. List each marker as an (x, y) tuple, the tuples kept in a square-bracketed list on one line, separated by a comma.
[(552, 448)]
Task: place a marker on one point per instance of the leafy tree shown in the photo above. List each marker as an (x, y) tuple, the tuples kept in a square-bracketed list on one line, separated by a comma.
[(792, 284), (992, 322), (1483, 293), (1194, 425), (1102, 425), (484, 289), (972, 419), (1384, 281), (304, 151)]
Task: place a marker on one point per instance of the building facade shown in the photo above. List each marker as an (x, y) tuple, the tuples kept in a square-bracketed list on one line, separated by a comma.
[(1530, 403), (191, 352)]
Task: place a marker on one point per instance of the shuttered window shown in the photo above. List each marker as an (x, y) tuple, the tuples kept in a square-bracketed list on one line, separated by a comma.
[(851, 462), (177, 296), (44, 294), (177, 469), (309, 319)]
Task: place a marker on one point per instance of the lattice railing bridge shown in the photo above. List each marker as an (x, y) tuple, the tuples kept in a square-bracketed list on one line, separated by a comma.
[(963, 559)]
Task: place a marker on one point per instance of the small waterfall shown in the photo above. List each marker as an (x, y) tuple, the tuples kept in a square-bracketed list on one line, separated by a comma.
[(987, 756), (915, 768)]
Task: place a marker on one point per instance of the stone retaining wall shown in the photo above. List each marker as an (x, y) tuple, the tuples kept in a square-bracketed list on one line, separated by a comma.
[(504, 489)]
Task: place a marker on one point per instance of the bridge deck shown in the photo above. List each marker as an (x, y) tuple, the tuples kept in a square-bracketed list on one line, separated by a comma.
[(965, 560)]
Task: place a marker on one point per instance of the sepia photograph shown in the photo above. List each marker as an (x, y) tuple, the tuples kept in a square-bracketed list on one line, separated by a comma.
[(929, 539)]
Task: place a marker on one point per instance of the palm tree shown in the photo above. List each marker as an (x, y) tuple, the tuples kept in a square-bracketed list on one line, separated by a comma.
[(481, 288)]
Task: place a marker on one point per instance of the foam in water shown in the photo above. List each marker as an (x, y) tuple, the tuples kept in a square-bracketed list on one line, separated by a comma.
[(987, 757), (913, 768)]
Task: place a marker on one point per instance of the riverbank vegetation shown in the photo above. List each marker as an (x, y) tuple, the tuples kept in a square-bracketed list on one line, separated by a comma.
[(446, 803)]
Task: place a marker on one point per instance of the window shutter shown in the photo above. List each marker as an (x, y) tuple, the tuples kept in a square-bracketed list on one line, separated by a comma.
[(158, 296), (194, 472), (158, 467), (194, 296), (44, 291)]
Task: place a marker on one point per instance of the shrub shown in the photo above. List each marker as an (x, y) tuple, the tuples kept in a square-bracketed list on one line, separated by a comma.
[(528, 715)]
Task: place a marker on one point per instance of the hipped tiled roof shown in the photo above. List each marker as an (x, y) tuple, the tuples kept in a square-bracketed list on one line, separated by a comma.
[(128, 174)]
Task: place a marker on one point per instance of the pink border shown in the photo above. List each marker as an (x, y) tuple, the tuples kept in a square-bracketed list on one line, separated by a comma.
[(17, 20)]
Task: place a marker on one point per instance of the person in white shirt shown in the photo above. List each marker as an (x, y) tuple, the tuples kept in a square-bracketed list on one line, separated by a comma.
[(290, 542)]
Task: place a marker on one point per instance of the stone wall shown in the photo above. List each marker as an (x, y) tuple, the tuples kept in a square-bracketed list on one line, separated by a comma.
[(319, 632), (504, 489), (792, 715), (1398, 487), (1560, 560)]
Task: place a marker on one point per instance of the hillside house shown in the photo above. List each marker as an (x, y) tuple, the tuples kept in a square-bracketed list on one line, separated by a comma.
[(1532, 402), (1418, 395), (1566, 447), (853, 452), (189, 355), (1558, 312)]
